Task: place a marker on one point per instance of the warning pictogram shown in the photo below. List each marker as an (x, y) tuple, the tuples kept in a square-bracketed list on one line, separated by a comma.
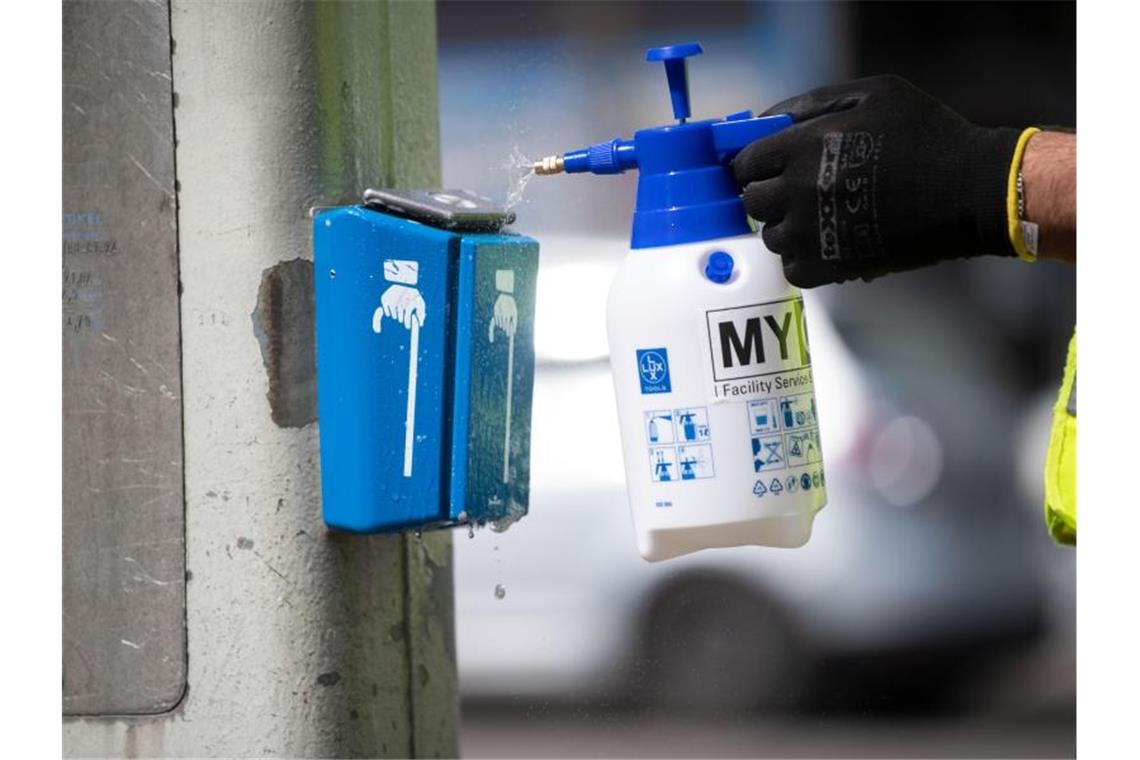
[(767, 453), (802, 448)]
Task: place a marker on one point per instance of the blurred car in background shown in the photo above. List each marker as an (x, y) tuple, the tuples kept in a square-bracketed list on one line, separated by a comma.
[(920, 571)]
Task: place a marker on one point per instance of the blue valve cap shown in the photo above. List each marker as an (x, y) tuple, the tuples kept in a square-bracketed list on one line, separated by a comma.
[(719, 267)]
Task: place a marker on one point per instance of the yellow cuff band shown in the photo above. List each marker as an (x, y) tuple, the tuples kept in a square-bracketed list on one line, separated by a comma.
[(1015, 234)]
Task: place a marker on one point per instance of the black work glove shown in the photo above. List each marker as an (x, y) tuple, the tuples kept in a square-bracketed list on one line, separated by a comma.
[(876, 176)]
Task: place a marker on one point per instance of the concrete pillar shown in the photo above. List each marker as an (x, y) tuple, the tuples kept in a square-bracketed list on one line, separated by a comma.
[(299, 642)]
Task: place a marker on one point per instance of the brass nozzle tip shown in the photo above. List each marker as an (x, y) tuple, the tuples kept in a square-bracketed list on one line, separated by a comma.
[(549, 165)]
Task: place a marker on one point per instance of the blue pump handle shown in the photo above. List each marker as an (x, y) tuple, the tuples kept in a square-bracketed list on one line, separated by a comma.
[(686, 192), (673, 56)]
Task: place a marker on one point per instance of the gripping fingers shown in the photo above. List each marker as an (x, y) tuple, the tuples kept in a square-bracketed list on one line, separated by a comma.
[(776, 239), (765, 201), (763, 159), (822, 100)]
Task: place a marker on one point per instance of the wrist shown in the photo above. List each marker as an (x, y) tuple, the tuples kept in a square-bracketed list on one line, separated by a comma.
[(1049, 182)]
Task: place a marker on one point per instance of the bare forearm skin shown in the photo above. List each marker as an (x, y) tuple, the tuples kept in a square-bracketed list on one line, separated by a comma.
[(1049, 171)]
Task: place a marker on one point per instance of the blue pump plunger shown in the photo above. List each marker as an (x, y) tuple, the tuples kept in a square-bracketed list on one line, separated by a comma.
[(686, 192)]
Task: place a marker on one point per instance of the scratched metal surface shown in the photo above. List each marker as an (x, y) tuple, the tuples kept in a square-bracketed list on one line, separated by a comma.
[(124, 592)]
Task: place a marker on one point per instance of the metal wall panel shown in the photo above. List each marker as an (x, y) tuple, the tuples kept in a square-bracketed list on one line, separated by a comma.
[(124, 592)]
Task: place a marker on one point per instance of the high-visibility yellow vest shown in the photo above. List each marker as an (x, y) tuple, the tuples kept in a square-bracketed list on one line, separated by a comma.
[(1061, 461)]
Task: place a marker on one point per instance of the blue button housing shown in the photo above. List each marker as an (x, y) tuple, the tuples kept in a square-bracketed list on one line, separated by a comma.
[(384, 283)]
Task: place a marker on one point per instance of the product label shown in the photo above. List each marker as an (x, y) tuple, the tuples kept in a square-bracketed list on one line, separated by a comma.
[(758, 350), (751, 433), (786, 452)]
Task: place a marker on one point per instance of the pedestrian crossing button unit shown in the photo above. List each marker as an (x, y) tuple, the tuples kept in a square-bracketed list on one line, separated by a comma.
[(425, 361)]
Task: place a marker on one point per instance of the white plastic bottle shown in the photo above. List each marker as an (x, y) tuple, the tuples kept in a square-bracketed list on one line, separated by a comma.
[(708, 342), (739, 474)]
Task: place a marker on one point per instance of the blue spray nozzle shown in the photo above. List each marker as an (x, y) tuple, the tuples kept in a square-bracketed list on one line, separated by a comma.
[(723, 138), (686, 191), (612, 157), (673, 56)]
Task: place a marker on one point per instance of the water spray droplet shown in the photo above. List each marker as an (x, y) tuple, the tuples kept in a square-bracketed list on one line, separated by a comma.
[(519, 170)]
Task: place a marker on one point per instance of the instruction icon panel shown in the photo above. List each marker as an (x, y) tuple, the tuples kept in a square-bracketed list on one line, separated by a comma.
[(692, 424), (663, 463), (695, 461), (762, 416), (797, 411), (659, 426)]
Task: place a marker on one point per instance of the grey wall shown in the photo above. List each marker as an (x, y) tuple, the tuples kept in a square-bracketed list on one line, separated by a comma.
[(299, 642)]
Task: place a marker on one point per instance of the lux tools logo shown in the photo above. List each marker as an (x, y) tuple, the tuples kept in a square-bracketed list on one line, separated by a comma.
[(653, 370)]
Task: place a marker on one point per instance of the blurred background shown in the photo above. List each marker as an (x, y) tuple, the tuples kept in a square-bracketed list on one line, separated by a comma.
[(930, 615)]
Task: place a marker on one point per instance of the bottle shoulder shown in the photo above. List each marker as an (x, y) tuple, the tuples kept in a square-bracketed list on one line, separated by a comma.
[(670, 275)]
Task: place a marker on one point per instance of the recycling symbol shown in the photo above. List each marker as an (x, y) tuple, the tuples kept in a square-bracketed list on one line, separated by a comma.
[(776, 486), (759, 489)]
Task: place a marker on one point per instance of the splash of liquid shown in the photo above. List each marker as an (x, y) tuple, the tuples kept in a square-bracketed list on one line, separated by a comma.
[(519, 170), (515, 512)]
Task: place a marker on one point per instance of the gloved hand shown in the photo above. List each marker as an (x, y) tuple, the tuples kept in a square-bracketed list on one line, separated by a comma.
[(876, 176)]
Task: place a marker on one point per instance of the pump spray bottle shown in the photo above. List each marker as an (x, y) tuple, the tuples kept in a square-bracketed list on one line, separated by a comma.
[(705, 330)]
